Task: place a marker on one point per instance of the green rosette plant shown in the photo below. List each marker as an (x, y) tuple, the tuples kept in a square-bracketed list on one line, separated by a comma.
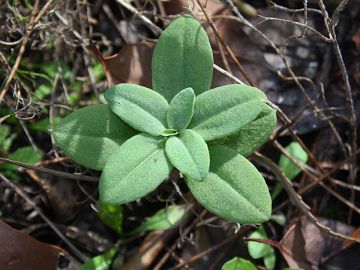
[(142, 134)]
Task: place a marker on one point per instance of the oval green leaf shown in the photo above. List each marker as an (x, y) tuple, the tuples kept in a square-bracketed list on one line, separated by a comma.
[(163, 219), (135, 170), (189, 154), (138, 106), (234, 189), (270, 261), (90, 135), (25, 154), (182, 58), (253, 135), (238, 264), (112, 216), (259, 250), (100, 262), (223, 111), (181, 109), (288, 167)]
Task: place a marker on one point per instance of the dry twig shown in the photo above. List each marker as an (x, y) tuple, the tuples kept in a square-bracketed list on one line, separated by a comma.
[(35, 18)]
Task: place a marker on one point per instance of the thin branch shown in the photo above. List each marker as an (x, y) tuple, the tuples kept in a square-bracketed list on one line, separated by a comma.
[(330, 26), (290, 10), (211, 249), (158, 30), (77, 177), (153, 27), (296, 198), (281, 115), (313, 174), (230, 76), (317, 33), (29, 29)]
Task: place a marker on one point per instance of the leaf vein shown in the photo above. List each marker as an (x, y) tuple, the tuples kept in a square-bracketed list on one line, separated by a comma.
[(142, 162), (141, 109), (216, 114), (242, 196)]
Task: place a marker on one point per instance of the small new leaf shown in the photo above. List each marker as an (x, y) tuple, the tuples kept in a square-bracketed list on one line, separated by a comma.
[(25, 154), (189, 154), (234, 189), (260, 250), (225, 110), (100, 262), (112, 216), (135, 170), (90, 135), (288, 167), (163, 219), (181, 109), (238, 264), (140, 107), (169, 132)]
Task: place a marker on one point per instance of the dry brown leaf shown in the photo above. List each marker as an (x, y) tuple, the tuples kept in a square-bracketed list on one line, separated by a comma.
[(132, 64), (294, 243), (305, 245), (19, 251)]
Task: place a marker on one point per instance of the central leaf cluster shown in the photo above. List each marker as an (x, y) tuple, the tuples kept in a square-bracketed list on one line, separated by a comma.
[(149, 112), (174, 134)]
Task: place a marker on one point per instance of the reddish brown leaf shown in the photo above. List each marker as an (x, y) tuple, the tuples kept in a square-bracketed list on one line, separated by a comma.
[(132, 64), (356, 39), (306, 246), (19, 251), (294, 243), (355, 234)]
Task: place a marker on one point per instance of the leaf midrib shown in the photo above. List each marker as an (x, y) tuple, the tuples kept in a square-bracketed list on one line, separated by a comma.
[(90, 136), (142, 162), (246, 199), (200, 122), (142, 109), (191, 157)]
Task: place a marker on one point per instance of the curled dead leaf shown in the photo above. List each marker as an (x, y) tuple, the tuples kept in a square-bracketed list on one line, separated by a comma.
[(132, 64), (306, 246), (19, 251)]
